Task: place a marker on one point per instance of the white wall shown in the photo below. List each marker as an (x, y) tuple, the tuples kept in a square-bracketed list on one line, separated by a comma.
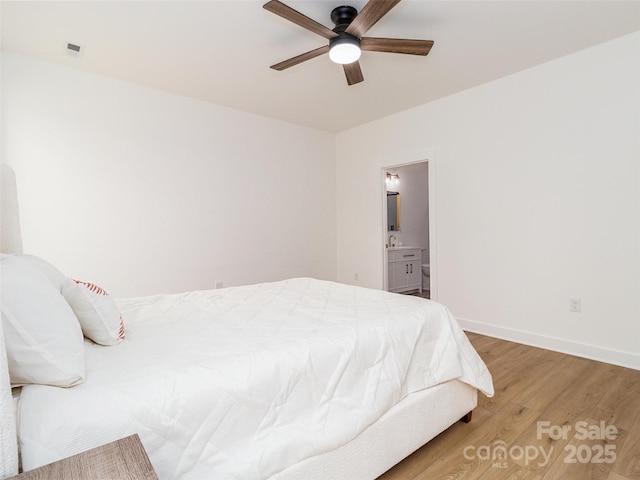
[(537, 191), (143, 192), (537, 200)]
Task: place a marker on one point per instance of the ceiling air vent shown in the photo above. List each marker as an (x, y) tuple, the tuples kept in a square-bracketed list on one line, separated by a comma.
[(74, 50)]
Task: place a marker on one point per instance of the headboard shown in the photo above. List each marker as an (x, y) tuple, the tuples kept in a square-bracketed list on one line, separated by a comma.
[(10, 242), (10, 236)]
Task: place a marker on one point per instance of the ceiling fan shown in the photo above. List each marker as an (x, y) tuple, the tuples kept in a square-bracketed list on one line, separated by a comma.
[(346, 40)]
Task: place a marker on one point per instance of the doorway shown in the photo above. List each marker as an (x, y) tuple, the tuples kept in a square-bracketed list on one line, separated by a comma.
[(409, 227)]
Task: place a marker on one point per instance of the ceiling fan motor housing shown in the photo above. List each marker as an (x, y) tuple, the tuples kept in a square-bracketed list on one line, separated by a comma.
[(344, 38), (342, 17)]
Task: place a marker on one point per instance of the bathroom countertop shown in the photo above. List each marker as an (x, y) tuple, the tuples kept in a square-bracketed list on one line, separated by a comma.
[(403, 247)]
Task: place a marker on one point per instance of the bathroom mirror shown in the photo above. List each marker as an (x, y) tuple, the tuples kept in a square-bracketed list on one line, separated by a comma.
[(393, 211)]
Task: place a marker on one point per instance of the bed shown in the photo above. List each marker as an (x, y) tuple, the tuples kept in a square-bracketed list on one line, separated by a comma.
[(273, 380), (294, 379)]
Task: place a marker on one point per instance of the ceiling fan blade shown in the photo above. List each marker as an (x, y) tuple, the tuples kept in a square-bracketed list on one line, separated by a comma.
[(369, 15), (396, 45), (353, 73), (288, 13), (300, 58)]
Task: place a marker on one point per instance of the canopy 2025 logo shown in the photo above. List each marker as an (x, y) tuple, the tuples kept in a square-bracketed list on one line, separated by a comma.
[(587, 452)]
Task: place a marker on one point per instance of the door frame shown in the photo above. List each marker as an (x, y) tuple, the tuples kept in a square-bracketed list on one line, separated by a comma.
[(431, 165)]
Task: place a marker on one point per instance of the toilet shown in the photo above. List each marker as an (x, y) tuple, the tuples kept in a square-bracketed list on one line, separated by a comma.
[(426, 276)]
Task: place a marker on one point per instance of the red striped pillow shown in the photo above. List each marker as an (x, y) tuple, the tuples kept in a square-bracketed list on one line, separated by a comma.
[(101, 291), (98, 314)]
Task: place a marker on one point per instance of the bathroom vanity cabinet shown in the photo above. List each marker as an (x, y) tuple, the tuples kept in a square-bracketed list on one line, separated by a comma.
[(404, 269)]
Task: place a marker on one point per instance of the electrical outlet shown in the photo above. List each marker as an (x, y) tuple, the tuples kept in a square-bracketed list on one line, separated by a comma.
[(575, 305), (218, 284)]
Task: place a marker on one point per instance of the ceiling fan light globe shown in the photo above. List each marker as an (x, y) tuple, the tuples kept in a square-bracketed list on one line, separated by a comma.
[(344, 53), (344, 49)]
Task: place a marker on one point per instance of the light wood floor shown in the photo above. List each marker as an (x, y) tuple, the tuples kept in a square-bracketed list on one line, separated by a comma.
[(535, 385)]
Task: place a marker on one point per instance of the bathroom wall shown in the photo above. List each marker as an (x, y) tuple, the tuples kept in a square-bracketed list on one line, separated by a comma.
[(413, 187)]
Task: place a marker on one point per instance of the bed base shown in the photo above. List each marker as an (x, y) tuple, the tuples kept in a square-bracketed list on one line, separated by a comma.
[(397, 434)]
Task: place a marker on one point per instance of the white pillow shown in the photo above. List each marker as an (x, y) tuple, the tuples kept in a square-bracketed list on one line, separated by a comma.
[(57, 278), (97, 312), (42, 335)]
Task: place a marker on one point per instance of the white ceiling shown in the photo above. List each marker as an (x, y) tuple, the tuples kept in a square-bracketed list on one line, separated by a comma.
[(220, 51)]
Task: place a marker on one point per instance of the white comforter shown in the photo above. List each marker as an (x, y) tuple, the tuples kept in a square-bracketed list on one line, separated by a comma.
[(239, 383)]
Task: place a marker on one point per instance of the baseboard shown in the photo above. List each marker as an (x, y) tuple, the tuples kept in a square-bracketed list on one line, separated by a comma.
[(592, 352)]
